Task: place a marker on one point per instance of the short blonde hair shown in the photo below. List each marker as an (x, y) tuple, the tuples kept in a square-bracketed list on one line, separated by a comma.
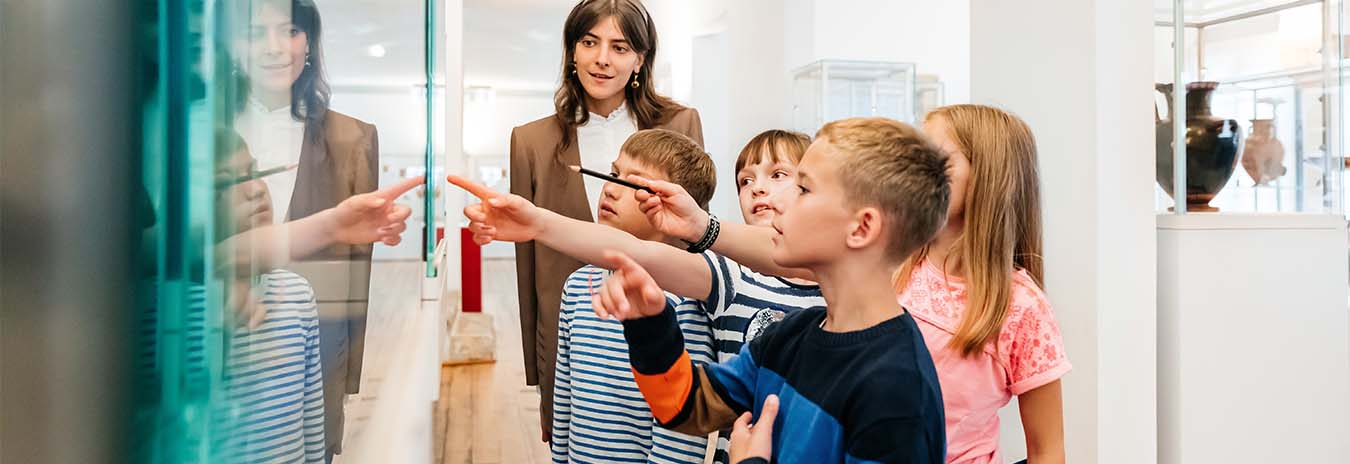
[(683, 160), (890, 165)]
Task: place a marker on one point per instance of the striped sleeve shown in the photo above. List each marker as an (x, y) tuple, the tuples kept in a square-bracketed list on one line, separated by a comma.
[(724, 273), (681, 395)]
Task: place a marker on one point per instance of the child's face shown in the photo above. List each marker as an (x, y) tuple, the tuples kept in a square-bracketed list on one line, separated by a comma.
[(958, 165), (811, 221), (244, 206), (618, 207), (763, 183)]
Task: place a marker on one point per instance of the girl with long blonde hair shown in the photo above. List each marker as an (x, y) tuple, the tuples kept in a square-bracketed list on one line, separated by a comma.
[(975, 290)]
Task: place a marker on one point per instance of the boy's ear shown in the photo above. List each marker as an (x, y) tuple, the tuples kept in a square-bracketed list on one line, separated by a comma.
[(865, 229)]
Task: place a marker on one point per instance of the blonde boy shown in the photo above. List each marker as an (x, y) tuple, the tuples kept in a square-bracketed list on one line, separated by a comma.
[(854, 380)]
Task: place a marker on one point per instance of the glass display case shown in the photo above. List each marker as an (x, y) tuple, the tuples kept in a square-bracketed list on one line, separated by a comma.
[(260, 120), (1260, 91), (930, 94), (827, 90)]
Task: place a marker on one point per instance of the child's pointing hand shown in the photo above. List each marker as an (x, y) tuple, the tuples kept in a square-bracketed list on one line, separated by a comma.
[(503, 217), (628, 293), (672, 210)]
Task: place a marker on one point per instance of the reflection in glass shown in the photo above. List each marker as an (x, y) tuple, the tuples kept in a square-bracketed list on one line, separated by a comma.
[(261, 206)]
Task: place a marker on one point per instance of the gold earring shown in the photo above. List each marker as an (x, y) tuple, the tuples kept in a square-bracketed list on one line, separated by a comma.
[(635, 80)]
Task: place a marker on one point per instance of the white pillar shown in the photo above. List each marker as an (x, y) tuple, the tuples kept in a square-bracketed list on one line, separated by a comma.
[(1253, 339), (451, 50), (1080, 73)]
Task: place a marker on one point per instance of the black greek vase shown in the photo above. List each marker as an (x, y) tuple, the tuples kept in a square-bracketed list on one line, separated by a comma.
[(1213, 146)]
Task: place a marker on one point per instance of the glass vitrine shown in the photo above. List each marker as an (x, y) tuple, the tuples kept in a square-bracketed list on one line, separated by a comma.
[(1258, 83), (835, 89)]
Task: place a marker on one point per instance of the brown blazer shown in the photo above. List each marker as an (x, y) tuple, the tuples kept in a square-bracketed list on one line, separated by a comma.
[(539, 176), (342, 163)]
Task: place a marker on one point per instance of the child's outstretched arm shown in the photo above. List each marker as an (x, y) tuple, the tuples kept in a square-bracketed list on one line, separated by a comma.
[(674, 212), (511, 218), (683, 396), (361, 219)]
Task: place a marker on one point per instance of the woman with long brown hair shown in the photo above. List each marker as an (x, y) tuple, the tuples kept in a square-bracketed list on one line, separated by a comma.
[(609, 50), (975, 290), (288, 121)]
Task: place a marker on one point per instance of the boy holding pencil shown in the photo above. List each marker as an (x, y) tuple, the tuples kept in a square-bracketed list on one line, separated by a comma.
[(598, 414)]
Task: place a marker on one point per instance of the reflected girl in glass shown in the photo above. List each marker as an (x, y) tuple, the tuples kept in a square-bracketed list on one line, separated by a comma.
[(287, 120)]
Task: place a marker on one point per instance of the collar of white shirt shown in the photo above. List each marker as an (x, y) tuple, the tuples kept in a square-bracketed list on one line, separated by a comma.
[(620, 113)]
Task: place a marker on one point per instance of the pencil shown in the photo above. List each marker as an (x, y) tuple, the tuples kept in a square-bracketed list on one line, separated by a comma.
[(609, 178), (255, 175)]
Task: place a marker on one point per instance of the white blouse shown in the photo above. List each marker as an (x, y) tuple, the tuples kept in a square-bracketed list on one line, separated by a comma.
[(274, 139), (598, 142)]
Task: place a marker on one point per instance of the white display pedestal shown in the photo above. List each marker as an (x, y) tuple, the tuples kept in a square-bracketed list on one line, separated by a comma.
[(1253, 339)]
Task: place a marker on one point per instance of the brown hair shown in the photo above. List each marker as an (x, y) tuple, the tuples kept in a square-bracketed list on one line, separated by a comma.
[(683, 161), (775, 144), (649, 109), (1002, 218), (889, 164)]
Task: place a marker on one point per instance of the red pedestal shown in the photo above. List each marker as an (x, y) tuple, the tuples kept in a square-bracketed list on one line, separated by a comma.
[(471, 272)]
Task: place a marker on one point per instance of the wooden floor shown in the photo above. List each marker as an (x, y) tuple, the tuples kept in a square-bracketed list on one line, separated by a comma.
[(390, 420), (486, 414)]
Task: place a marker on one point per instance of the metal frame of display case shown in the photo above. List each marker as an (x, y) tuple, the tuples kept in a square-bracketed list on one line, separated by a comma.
[(1333, 148), (824, 68), (926, 87)]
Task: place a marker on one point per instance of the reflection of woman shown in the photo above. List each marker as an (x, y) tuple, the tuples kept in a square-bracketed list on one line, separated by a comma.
[(287, 121), (609, 48)]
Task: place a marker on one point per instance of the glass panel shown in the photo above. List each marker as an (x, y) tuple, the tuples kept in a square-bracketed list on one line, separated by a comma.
[(1263, 98), (829, 90), (265, 129)]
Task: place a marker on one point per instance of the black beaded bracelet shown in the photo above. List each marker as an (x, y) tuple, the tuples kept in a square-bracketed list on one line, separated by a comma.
[(709, 236)]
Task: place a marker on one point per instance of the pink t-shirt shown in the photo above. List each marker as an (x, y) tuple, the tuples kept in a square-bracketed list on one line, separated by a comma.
[(1030, 353)]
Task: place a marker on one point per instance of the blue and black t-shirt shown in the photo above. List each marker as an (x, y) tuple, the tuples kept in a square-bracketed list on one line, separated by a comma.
[(865, 396)]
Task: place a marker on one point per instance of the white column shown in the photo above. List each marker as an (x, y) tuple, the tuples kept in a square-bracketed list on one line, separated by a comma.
[(1080, 74), (451, 49)]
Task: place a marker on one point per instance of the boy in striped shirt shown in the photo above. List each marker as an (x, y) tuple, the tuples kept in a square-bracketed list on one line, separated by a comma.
[(598, 414)]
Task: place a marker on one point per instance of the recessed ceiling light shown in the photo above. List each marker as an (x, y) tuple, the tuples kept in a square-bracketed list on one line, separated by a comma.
[(376, 51)]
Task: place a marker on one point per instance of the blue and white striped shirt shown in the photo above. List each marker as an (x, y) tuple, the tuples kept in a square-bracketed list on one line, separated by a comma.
[(599, 415), (273, 379), (272, 410)]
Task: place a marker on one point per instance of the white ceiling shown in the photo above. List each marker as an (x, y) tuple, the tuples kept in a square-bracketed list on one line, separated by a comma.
[(513, 43), (351, 27), (507, 43)]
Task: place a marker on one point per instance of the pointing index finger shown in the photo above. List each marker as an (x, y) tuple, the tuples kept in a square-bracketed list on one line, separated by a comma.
[(478, 190), (394, 191)]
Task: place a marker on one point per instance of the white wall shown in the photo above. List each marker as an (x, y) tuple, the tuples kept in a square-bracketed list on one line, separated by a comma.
[(741, 85), (712, 96), (935, 35), (1089, 110)]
